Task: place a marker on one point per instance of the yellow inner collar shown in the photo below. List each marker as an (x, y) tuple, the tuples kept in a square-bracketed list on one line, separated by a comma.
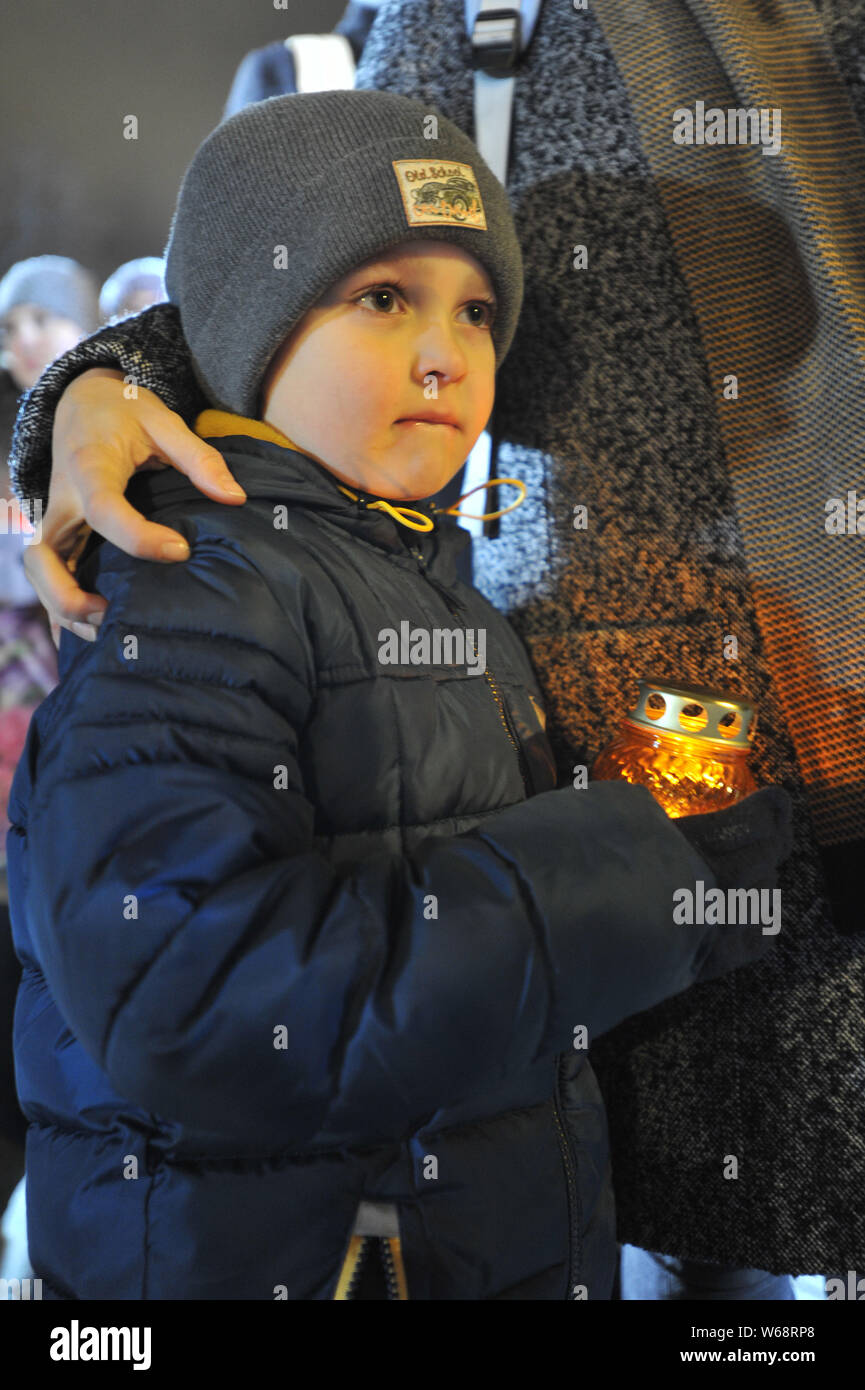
[(215, 424)]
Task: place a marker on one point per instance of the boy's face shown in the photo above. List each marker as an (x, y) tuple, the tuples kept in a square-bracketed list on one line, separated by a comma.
[(405, 334)]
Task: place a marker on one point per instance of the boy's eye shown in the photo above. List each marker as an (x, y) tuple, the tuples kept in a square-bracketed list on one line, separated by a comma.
[(382, 291), (390, 292), (489, 309)]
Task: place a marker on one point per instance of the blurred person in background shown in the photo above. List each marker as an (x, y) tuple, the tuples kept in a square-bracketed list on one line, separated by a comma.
[(283, 68), (47, 304), (133, 286)]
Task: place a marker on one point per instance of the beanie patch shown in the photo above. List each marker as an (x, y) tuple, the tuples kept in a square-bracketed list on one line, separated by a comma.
[(439, 194)]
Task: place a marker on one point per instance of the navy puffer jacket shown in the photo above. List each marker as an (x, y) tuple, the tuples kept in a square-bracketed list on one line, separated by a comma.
[(301, 930)]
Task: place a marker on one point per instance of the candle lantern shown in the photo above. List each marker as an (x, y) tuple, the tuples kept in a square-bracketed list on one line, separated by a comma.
[(689, 745)]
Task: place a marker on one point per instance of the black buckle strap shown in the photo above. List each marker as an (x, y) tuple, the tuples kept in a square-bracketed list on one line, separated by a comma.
[(497, 41)]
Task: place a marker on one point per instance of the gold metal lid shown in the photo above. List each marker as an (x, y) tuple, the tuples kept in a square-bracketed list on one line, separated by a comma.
[(695, 711)]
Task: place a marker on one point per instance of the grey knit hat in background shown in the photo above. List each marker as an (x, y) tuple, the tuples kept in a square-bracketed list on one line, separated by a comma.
[(144, 273), (334, 178), (55, 283)]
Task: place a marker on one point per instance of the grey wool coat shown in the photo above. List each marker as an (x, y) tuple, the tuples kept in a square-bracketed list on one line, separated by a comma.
[(606, 400)]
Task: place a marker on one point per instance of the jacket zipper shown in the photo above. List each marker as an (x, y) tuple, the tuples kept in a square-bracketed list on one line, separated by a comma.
[(361, 1249), (351, 1267), (459, 612), (394, 1270), (574, 1214)]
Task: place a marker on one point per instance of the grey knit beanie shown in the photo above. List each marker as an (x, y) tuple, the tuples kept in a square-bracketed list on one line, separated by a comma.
[(290, 194), (55, 283)]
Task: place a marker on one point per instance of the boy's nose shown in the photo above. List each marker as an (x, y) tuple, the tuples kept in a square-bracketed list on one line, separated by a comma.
[(438, 351)]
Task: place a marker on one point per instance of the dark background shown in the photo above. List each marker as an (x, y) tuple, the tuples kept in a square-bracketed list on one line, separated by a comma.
[(70, 184)]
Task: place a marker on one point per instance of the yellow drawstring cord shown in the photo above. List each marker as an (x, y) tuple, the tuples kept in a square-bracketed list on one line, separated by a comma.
[(401, 514), (424, 523), (487, 516)]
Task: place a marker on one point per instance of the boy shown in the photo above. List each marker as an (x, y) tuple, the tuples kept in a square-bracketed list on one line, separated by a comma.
[(310, 940)]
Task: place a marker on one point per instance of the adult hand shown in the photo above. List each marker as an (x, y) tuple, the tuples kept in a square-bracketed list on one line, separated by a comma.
[(100, 439)]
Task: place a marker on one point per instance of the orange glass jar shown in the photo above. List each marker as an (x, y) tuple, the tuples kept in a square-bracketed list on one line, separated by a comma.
[(689, 745)]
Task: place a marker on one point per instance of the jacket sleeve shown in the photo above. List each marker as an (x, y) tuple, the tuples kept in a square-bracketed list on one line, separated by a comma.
[(149, 347), (218, 967)]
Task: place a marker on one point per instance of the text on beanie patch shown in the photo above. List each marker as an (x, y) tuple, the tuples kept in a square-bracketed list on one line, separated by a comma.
[(437, 193)]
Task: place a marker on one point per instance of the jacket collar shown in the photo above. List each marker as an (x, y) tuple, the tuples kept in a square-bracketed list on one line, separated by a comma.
[(271, 468), (212, 424)]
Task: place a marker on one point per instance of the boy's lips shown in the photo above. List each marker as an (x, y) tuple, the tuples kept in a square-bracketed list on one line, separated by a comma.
[(429, 420)]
